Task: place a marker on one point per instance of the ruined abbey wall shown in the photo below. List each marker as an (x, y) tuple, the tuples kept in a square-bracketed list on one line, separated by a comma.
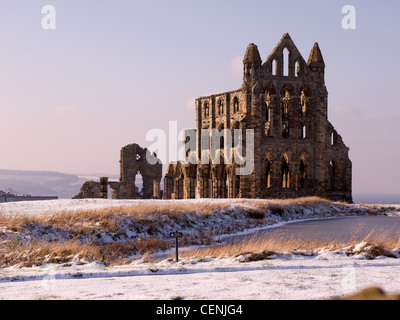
[(297, 151), (134, 161), (281, 113)]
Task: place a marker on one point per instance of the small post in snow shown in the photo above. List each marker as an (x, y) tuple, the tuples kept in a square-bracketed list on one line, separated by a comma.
[(176, 235)]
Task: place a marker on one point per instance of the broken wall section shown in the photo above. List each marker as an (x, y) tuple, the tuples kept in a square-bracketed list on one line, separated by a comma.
[(135, 161)]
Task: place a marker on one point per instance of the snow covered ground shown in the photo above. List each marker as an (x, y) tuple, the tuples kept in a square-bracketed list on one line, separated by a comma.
[(58, 206), (61, 205), (323, 275)]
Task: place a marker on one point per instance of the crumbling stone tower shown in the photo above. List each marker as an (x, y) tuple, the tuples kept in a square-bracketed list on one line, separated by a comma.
[(297, 151), (134, 160)]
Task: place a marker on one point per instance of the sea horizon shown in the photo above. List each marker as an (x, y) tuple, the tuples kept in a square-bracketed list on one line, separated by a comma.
[(376, 198)]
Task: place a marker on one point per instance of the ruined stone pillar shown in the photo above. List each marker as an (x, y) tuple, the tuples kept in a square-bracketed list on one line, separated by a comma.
[(229, 191), (190, 188), (214, 188), (205, 187), (104, 187), (156, 189)]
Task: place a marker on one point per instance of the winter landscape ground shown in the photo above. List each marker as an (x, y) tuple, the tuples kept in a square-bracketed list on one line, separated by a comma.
[(117, 250)]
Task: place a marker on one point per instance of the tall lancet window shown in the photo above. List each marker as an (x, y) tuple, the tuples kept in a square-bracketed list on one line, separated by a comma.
[(268, 174), (332, 169), (302, 174), (285, 173), (286, 62), (274, 67)]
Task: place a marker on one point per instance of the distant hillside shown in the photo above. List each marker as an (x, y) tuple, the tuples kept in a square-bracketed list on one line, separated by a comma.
[(44, 183)]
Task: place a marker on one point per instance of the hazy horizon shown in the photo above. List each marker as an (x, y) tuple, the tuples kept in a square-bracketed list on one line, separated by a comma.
[(72, 97)]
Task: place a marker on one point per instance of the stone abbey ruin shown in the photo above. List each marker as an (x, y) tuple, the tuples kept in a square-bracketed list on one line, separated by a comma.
[(134, 161), (296, 151)]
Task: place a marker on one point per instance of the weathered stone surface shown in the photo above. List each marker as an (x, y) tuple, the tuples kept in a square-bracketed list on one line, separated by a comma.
[(134, 160), (297, 151), (90, 189)]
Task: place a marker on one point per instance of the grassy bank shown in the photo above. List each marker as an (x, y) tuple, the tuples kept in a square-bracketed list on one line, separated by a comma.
[(277, 244), (119, 234)]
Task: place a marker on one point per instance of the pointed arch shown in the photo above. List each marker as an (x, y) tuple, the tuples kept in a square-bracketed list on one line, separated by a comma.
[(297, 68), (286, 94), (286, 62), (304, 101), (287, 87), (307, 91), (302, 173), (220, 106), (332, 174), (268, 173), (271, 155), (270, 165), (236, 105), (304, 170), (206, 109), (285, 172), (139, 185), (332, 137), (271, 89), (267, 112), (302, 131), (235, 126), (305, 157), (285, 131), (303, 104), (274, 67), (221, 130)]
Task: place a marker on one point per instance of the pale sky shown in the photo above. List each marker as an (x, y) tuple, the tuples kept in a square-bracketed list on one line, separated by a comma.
[(72, 97)]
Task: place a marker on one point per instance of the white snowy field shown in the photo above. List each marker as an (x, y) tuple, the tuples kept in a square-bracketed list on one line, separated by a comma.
[(321, 274), (50, 207), (293, 277)]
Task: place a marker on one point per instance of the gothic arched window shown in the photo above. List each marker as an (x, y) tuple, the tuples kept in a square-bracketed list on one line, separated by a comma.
[(297, 69), (303, 132), (285, 131), (274, 67), (303, 104), (268, 174), (285, 173), (235, 105), (302, 174), (206, 110), (286, 65), (332, 169), (220, 107)]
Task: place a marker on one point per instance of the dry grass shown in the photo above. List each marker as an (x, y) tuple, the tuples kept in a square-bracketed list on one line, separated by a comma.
[(22, 254), (78, 236), (107, 219), (276, 243), (143, 211), (272, 242), (101, 235)]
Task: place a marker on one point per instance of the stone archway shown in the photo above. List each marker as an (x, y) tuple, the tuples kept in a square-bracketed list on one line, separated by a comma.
[(134, 160)]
